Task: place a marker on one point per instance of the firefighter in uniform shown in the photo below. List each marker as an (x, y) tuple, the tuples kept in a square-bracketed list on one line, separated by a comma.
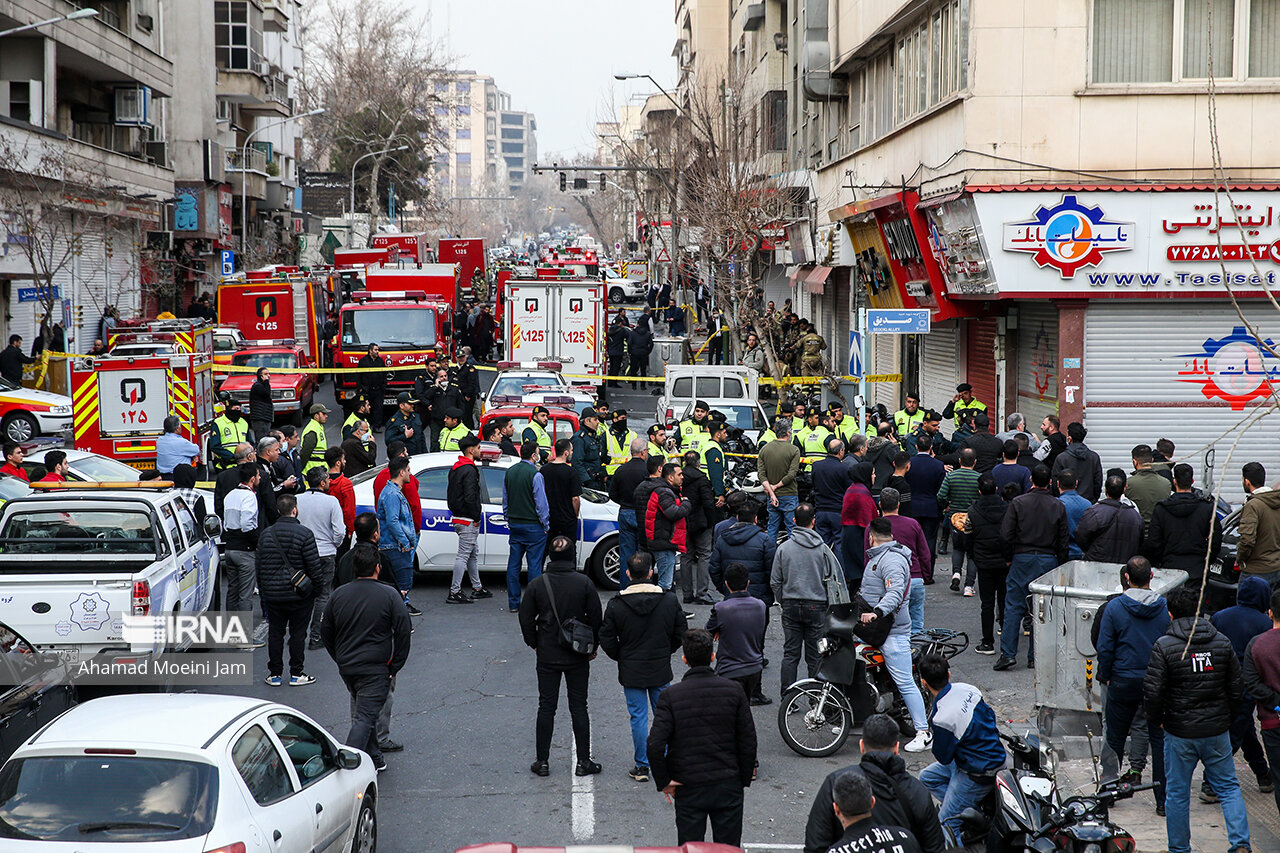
[(536, 431), (842, 427), (229, 429), (909, 416), (657, 441), (360, 409), (453, 431), (812, 440), (691, 428), (618, 441), (963, 405), (314, 443), (810, 346)]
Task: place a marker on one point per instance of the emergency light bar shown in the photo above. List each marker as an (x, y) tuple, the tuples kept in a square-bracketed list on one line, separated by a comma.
[(281, 342), (558, 401), (490, 452), (549, 365), (72, 485), (499, 399), (389, 295)]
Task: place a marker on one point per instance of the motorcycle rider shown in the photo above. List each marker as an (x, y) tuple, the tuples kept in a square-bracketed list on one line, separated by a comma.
[(966, 742), (885, 585)]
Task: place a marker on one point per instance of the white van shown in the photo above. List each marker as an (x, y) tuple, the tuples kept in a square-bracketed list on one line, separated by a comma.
[(687, 383)]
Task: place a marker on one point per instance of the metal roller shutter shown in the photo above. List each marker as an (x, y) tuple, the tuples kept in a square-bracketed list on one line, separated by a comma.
[(1159, 369), (1038, 362), (884, 349), (939, 365), (980, 362)]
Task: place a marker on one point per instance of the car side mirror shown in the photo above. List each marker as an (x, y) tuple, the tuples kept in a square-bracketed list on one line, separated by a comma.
[(348, 759), (212, 526)]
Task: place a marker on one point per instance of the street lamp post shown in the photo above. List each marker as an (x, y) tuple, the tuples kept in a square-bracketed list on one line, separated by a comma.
[(654, 82), (351, 211), (244, 180), (74, 16)]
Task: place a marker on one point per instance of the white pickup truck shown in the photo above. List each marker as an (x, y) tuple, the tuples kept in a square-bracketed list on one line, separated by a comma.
[(73, 563)]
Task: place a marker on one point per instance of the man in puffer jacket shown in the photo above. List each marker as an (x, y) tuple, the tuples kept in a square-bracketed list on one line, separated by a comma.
[(1194, 692), (1183, 526), (285, 548), (744, 542), (885, 587), (664, 526), (802, 569), (1084, 462)]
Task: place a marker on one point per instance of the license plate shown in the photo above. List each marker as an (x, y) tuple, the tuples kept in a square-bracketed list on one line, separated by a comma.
[(71, 656)]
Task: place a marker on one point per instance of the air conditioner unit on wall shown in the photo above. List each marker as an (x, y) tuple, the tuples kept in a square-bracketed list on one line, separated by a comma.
[(133, 106), (215, 162)]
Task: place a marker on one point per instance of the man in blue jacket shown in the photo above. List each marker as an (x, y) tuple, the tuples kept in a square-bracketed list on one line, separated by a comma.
[(966, 742), (742, 541), (397, 532), (1130, 627)]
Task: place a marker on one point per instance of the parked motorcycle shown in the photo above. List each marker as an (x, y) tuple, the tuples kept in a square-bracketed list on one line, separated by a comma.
[(818, 714)]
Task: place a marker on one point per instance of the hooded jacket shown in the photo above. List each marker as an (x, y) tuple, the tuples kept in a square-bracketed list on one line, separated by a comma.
[(1109, 532), (1130, 627), (1248, 617), (643, 491), (1258, 552), (858, 508), (901, 800), (463, 490), (744, 542), (802, 566), (1195, 695), (576, 597), (885, 583), (643, 625), (1262, 676), (261, 408), (640, 341), (880, 453), (1087, 467), (908, 533), (664, 519), (696, 491), (1181, 526), (987, 548)]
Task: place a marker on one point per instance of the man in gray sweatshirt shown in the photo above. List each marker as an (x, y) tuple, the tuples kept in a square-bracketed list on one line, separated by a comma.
[(802, 568), (886, 585)]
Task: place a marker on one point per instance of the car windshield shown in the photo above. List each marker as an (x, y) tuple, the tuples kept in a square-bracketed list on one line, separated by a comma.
[(742, 417), (86, 531), (513, 386), (224, 343), (367, 474), (106, 798), (6, 385), (103, 469), (273, 360), (390, 328)]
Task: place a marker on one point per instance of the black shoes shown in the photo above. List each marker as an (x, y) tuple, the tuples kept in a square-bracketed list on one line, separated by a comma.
[(390, 746), (413, 611), (985, 648), (1005, 663), (640, 774), (480, 593), (688, 599), (586, 767), (761, 700), (456, 598), (540, 768), (704, 600)]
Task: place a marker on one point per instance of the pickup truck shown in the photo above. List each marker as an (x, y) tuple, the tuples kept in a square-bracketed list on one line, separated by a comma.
[(73, 563)]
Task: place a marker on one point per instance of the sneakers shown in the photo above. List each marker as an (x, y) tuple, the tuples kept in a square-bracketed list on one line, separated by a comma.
[(955, 582), (301, 680), (273, 681), (968, 592), (586, 767), (379, 764), (260, 634), (985, 648), (640, 774), (390, 746), (540, 768), (922, 741), (1005, 663), (458, 597), (706, 600), (1131, 777), (480, 593), (1159, 809), (1265, 785), (413, 611), (1206, 794)]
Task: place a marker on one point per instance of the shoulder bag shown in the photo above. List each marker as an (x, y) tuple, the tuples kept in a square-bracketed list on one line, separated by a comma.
[(574, 634)]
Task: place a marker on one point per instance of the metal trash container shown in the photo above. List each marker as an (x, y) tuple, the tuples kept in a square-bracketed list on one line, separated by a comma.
[(1063, 605), (666, 351)]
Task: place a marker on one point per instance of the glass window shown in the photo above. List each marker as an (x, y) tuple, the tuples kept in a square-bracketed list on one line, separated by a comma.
[(733, 388), (312, 754), (273, 360), (562, 428), (1264, 35), (237, 35), (683, 387), (260, 766), (101, 469), (464, 156), (1195, 49), (464, 133), (187, 522), (391, 328), (708, 386), (89, 531), (84, 799), (492, 478), (1132, 41), (171, 526), (433, 483)]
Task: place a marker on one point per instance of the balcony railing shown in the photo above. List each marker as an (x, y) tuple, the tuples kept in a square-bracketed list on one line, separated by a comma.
[(257, 161)]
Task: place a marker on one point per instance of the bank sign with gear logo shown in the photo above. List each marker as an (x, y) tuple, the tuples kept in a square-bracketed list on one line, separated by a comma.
[(1234, 369), (1068, 236)]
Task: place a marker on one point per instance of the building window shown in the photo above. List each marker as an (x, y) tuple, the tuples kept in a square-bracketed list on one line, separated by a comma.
[(238, 35), (20, 100), (516, 119), (1168, 41), (931, 60), (513, 148), (774, 109), (464, 156), (464, 87), (875, 99), (464, 109), (464, 133), (513, 133)]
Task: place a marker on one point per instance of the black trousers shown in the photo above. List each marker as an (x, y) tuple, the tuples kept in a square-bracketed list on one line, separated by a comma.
[(639, 367), (615, 367), (750, 684), (991, 589), (294, 618), (575, 683), (930, 528), (722, 803), (368, 695)]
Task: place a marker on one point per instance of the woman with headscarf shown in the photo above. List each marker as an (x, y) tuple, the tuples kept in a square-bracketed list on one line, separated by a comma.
[(856, 512), (184, 483)]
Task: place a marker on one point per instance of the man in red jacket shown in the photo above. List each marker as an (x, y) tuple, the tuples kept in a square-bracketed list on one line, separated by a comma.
[(340, 487), (664, 516)]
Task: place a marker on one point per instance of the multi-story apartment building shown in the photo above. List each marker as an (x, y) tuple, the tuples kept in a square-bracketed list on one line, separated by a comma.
[(88, 93), (485, 147), (518, 146)]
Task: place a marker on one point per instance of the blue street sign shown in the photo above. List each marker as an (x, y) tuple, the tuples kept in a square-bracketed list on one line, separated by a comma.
[(898, 321), (855, 353), (34, 294), (228, 258)]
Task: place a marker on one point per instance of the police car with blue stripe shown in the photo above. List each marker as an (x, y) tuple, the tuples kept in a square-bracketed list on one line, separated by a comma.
[(598, 552)]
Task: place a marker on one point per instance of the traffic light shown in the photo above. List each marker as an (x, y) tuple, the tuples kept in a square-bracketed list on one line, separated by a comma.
[(602, 182), (564, 182)]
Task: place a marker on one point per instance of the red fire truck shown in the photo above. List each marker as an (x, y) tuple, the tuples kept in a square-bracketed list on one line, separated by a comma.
[(468, 254), (409, 247), (119, 403), (277, 304), (159, 337)]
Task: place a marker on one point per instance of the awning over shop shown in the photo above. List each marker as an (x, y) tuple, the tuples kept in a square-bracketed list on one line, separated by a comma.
[(816, 280)]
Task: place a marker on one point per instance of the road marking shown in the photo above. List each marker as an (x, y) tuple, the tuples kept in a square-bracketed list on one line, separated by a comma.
[(584, 800)]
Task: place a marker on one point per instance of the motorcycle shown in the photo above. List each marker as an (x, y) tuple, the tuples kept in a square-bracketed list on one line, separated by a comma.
[(818, 714)]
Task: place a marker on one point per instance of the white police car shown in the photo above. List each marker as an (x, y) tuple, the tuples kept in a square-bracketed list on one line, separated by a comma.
[(598, 552)]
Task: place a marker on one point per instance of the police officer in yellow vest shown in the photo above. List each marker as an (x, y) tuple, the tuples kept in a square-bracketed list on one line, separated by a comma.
[(812, 440), (536, 431), (359, 412), (657, 442), (229, 429), (909, 416), (798, 417), (453, 431), (314, 443), (963, 405), (691, 428), (618, 441), (842, 427)]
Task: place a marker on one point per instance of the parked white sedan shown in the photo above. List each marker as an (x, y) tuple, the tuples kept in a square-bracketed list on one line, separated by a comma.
[(187, 772), (598, 551)]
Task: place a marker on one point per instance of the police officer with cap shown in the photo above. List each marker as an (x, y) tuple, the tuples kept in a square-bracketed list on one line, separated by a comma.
[(229, 429), (658, 441), (618, 441), (453, 430), (314, 443), (406, 426), (536, 431), (587, 458), (910, 415), (963, 405), (360, 411), (692, 431), (713, 458)]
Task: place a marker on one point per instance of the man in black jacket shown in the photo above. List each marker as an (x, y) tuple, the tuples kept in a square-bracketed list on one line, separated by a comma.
[(622, 491), (901, 799), (1110, 531), (831, 479), (463, 496), (440, 398), (262, 412), (1084, 462), (13, 359), (616, 347), (853, 805), (366, 632), (702, 747), (373, 384), (643, 626), (557, 595), (1193, 690), (639, 346), (285, 549), (990, 554), (986, 446), (1183, 527), (695, 562)]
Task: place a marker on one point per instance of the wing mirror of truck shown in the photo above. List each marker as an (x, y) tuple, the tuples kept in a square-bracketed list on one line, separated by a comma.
[(212, 526)]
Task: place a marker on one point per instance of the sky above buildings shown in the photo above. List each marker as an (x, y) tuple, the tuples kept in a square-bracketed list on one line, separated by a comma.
[(557, 58)]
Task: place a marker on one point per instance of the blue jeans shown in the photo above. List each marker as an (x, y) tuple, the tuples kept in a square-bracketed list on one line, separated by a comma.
[(783, 513), (664, 562), (401, 563), (897, 658), (1180, 758), (915, 605), (954, 789), (626, 542), (639, 701), (526, 541), (1024, 569)]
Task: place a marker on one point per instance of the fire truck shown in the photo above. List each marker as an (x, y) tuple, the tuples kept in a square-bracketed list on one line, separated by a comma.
[(157, 337), (410, 247), (278, 304), (561, 320), (409, 327), (119, 403), (468, 254)]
